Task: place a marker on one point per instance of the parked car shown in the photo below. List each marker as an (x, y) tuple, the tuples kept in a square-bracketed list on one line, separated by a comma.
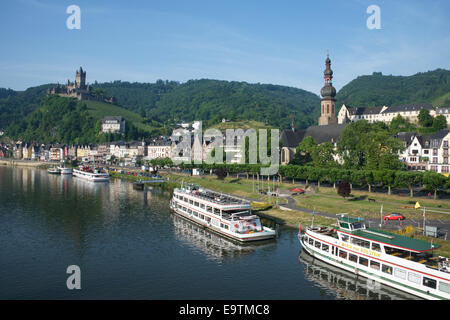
[(394, 216)]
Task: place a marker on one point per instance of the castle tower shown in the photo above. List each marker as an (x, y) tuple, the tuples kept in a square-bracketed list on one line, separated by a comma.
[(80, 79), (328, 102)]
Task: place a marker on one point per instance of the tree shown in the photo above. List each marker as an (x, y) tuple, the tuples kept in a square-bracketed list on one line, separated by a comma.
[(434, 181), (344, 189), (425, 119), (439, 123), (408, 179)]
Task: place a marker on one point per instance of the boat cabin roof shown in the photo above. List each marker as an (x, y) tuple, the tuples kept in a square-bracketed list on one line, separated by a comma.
[(356, 227)]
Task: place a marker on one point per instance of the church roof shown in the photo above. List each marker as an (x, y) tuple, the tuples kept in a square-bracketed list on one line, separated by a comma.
[(290, 138), (327, 133)]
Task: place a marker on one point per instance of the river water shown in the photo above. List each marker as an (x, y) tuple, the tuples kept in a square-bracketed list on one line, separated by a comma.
[(128, 245)]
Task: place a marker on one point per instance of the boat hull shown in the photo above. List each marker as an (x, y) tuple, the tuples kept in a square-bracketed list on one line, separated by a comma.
[(90, 176), (344, 264), (243, 238)]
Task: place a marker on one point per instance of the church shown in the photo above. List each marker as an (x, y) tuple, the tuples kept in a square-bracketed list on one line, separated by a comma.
[(328, 129)]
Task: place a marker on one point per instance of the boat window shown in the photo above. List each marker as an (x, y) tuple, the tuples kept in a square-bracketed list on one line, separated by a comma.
[(196, 204), (208, 208), (431, 283), (360, 242), (189, 211), (344, 237), (444, 287), (344, 225), (202, 217), (364, 261), (358, 225), (311, 241), (185, 199), (202, 206), (191, 201), (325, 247), (386, 269), (353, 257), (317, 244), (374, 265), (413, 277), (217, 211), (400, 273), (195, 214), (306, 238), (396, 252), (376, 247), (343, 254)]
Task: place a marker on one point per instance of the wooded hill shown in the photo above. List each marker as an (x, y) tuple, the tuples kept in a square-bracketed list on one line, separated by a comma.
[(378, 90)]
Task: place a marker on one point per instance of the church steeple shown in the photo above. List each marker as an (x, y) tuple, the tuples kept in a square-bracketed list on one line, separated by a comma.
[(328, 92)]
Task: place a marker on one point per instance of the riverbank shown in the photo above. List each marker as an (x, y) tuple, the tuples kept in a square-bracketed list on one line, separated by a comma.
[(26, 163)]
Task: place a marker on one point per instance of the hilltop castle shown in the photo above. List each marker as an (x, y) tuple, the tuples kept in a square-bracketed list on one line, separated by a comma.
[(79, 89)]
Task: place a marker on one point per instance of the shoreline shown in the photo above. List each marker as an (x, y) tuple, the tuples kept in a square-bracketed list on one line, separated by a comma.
[(25, 163)]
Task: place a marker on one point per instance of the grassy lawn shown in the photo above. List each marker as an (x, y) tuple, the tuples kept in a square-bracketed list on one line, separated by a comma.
[(327, 200)]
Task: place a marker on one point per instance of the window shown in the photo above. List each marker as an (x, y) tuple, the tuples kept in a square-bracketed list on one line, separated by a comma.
[(191, 201), (444, 287), (386, 269), (360, 242), (217, 211), (344, 237), (400, 273), (196, 204), (376, 247), (208, 208), (413, 277), (374, 265), (202, 206), (430, 283), (325, 247), (317, 244), (364, 261), (344, 225), (343, 254), (353, 257), (311, 241)]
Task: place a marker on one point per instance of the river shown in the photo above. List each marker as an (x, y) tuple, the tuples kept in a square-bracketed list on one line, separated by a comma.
[(128, 245)]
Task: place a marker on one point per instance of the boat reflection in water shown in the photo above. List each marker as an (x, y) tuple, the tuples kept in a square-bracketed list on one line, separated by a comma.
[(346, 285), (215, 246)]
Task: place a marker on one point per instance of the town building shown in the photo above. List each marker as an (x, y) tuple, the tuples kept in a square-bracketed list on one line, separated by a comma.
[(113, 124)]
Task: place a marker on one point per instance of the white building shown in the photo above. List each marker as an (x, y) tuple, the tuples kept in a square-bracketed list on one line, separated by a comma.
[(113, 124), (384, 114)]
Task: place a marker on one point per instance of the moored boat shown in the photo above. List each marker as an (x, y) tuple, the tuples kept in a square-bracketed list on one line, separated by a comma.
[(398, 261), (91, 174), (53, 170), (65, 170), (224, 214)]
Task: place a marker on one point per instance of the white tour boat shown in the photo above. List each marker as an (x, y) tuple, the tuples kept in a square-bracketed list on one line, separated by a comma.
[(224, 214), (398, 261), (91, 174)]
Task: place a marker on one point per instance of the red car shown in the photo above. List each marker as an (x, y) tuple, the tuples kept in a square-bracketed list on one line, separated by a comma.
[(394, 216)]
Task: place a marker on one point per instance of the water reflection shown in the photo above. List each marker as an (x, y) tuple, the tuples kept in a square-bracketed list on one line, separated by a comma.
[(346, 285), (213, 245)]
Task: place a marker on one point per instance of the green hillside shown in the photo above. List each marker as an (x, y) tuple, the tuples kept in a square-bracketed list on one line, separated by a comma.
[(211, 100), (67, 120), (378, 89)]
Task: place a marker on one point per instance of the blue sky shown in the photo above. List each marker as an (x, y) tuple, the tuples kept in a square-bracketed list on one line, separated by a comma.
[(279, 42)]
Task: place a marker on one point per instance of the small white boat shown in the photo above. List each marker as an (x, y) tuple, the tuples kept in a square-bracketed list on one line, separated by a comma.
[(53, 170), (65, 170)]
